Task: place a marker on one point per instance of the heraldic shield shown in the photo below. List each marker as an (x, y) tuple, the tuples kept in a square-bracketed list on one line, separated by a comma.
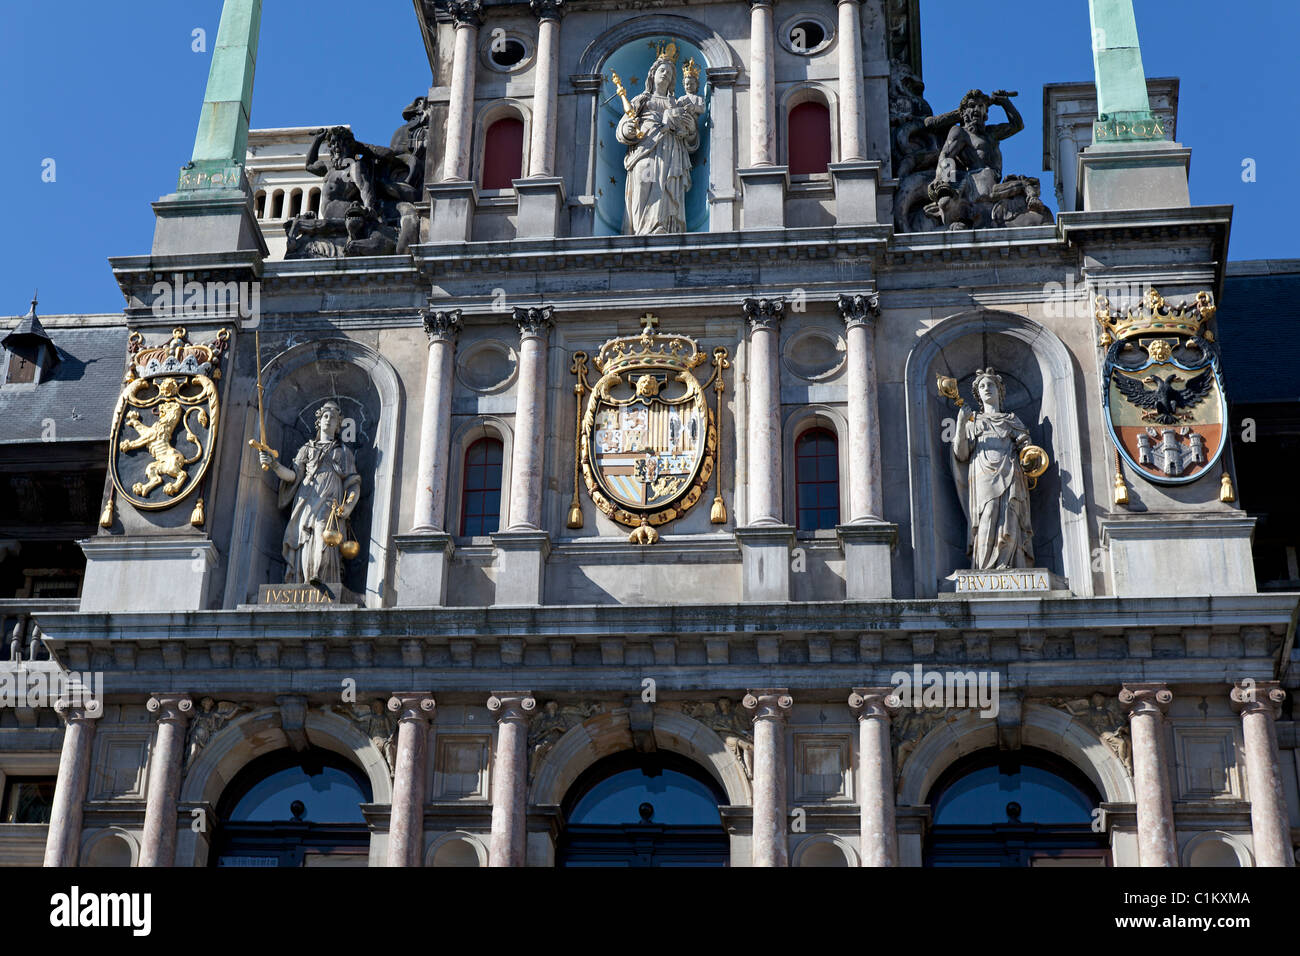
[(165, 422), (647, 439), (1162, 390)]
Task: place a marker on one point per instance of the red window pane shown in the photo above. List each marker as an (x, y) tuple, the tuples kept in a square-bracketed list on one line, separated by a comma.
[(810, 138), (480, 508), (816, 480), (503, 153)]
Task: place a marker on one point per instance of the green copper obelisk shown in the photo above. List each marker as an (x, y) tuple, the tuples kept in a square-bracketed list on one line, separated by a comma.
[(222, 140), (1123, 108)]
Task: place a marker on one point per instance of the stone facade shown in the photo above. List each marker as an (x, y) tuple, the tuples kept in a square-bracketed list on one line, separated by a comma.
[(1151, 663)]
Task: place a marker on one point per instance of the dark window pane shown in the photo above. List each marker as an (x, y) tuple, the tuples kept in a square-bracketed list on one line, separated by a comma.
[(481, 495)]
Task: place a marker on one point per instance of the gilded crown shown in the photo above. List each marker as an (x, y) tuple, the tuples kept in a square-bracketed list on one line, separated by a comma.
[(1155, 316), (665, 51), (649, 349), (690, 69), (177, 357)]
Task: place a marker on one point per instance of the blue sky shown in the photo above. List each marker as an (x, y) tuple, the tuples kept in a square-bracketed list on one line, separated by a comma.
[(111, 92)]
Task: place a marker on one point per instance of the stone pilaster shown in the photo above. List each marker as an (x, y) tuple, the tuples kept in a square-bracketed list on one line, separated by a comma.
[(1146, 704), (410, 769), (442, 328), (770, 708), (852, 124), (875, 708), (468, 17), (172, 712), (1260, 703), (63, 842), (860, 314), (510, 778), (764, 410)]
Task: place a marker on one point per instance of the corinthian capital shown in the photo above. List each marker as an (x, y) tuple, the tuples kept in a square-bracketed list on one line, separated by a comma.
[(547, 9), (466, 12), (171, 708), (858, 310), (875, 703), (512, 707), (1258, 697), (1146, 699), (768, 704), (441, 326), (764, 313), (535, 322), (412, 707)]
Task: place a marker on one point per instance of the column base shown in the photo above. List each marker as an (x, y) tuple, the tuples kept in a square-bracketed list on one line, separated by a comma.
[(1150, 175), (222, 221), (452, 206), (147, 573), (763, 189), (856, 184), (423, 559), (521, 566), (868, 564), (540, 201), (765, 562), (1188, 555)]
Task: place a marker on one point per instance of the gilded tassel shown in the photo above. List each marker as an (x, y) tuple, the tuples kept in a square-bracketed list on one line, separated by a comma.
[(719, 513), (1121, 489), (1226, 492), (106, 516), (197, 516)]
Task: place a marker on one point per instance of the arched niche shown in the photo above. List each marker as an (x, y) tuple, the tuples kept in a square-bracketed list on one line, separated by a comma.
[(1216, 848), (459, 848), (110, 847), (296, 382), (607, 734), (1041, 388), (824, 850)]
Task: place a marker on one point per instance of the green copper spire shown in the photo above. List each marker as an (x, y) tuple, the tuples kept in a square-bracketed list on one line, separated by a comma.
[(1124, 111), (222, 141)]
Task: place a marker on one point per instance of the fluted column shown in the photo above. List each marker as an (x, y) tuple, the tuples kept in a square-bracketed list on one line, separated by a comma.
[(411, 767), (769, 708), (1146, 704), (875, 707), (435, 425), (763, 409), (850, 50), (860, 314), (63, 842), (530, 419), (1259, 704), (762, 85), (172, 712), (468, 17), (541, 150), (510, 779)]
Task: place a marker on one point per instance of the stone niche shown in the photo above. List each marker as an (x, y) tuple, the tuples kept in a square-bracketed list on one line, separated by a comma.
[(1039, 379), (297, 382)]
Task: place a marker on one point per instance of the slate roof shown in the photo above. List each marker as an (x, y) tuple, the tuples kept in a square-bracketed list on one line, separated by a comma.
[(1259, 331), (78, 396)]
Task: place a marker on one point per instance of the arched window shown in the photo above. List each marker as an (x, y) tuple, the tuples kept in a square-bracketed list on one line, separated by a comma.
[(314, 200), (277, 204), (503, 153), (809, 136), (295, 203), (1014, 808), (294, 809), (259, 203), (480, 503), (817, 480)]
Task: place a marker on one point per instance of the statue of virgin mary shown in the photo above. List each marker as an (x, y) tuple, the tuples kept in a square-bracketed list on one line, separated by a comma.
[(660, 134)]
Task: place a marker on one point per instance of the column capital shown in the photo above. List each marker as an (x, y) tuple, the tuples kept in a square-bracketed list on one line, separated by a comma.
[(769, 4), (875, 703), (171, 708), (769, 704), (1258, 697), (547, 9), (415, 706), (516, 707), (78, 711), (441, 325), (764, 313), (1146, 699), (535, 322), (466, 13), (858, 310)]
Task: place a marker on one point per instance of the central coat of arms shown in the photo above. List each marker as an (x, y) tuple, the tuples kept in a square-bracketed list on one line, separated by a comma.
[(647, 439)]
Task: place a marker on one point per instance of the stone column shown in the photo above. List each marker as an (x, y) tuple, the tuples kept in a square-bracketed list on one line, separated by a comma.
[(530, 419), (875, 707), (411, 766), (63, 842), (1067, 171), (852, 119), (860, 314), (764, 409), (172, 712), (435, 424), (1146, 704), (510, 779), (1260, 703), (769, 709), (762, 85), (546, 85), (468, 17)]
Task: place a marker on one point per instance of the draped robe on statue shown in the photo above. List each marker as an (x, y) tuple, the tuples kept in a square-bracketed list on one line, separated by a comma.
[(658, 164), (997, 497), (325, 473)]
